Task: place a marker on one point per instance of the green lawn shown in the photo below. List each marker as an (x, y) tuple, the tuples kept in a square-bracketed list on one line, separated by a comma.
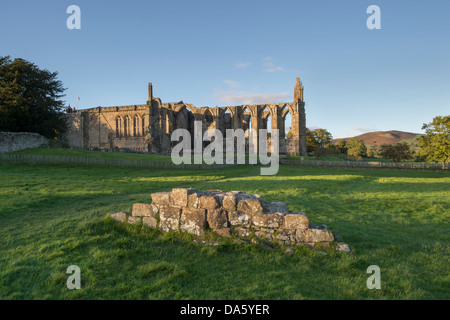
[(94, 154), (103, 154), (55, 216)]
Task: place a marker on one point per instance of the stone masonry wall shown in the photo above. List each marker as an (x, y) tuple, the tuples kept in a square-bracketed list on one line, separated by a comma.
[(14, 141), (227, 214)]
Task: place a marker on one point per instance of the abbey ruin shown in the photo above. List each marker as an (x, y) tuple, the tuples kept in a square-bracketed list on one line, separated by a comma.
[(148, 127)]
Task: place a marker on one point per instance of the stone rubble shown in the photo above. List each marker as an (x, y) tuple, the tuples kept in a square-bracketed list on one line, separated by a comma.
[(229, 214)]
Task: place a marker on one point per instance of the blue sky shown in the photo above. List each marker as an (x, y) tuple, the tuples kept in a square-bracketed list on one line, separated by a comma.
[(235, 52)]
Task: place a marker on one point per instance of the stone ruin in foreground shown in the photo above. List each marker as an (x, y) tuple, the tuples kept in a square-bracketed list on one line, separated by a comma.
[(227, 214)]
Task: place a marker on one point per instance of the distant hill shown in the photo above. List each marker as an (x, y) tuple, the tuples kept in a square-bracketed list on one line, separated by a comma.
[(384, 137)]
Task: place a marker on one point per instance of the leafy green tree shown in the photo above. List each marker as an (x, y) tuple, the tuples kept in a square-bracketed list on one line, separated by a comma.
[(30, 99), (373, 151), (356, 149), (311, 142), (342, 146), (435, 144), (322, 137), (396, 152), (317, 138)]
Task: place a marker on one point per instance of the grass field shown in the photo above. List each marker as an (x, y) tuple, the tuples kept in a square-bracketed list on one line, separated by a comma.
[(94, 154), (55, 216)]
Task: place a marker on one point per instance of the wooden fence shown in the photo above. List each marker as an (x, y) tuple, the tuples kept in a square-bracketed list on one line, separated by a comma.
[(102, 162), (122, 163), (367, 164)]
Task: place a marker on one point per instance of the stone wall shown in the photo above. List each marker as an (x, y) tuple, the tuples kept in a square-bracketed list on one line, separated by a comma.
[(227, 214), (14, 141), (110, 128)]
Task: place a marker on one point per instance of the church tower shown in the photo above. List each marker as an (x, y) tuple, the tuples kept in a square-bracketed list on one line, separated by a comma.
[(300, 131)]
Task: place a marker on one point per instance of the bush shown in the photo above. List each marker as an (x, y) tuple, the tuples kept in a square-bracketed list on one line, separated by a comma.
[(356, 149), (396, 152), (331, 150)]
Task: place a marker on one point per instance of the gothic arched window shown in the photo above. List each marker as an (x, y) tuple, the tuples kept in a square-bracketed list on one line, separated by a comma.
[(118, 127)]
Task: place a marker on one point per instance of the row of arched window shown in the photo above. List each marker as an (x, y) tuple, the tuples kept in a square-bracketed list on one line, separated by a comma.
[(130, 126)]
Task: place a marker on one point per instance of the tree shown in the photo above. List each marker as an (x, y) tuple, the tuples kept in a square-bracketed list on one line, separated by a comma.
[(322, 137), (435, 144), (396, 152), (30, 99), (311, 142), (317, 138), (342, 146), (373, 151), (356, 149)]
